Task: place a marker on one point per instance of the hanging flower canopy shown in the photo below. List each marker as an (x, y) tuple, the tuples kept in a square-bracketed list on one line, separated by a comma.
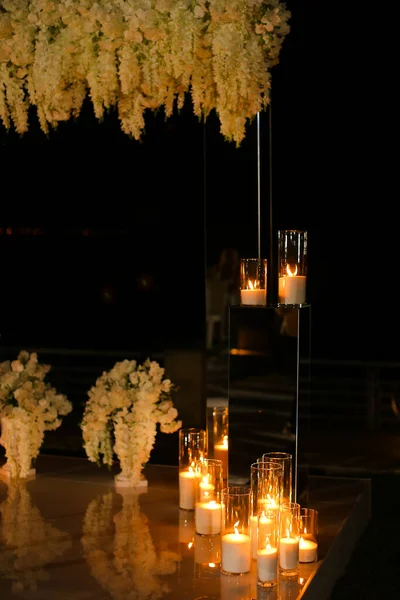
[(136, 55)]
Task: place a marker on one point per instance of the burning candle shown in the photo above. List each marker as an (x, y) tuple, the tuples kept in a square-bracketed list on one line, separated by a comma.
[(307, 551), (236, 552), (221, 453), (208, 517), (187, 487), (206, 489), (292, 287), (259, 528), (267, 564), (288, 553), (253, 295)]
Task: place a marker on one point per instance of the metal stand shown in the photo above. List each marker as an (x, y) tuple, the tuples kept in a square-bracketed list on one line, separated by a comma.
[(269, 358)]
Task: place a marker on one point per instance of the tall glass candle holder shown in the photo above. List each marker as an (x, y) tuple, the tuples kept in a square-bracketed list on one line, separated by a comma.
[(284, 459), (253, 281), (266, 490), (207, 550), (192, 449), (292, 266), (267, 551), (208, 509), (236, 542), (308, 543), (289, 530), (220, 437)]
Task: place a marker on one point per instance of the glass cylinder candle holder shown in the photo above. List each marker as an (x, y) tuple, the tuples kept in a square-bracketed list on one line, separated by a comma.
[(292, 267), (220, 437), (289, 529), (253, 281), (236, 542), (208, 508), (284, 459), (308, 542), (266, 488), (186, 527), (267, 551), (192, 449)]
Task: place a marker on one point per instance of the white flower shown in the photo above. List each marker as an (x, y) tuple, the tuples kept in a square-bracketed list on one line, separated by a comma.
[(128, 401)]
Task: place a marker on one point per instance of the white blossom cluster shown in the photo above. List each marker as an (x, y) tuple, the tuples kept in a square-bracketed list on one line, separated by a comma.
[(29, 406), (136, 55), (126, 404)]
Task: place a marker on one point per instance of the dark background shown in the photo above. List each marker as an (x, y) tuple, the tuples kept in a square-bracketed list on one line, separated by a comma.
[(102, 237)]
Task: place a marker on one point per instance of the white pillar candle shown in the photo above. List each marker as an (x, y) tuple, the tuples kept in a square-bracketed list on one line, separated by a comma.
[(288, 553), (292, 289), (187, 489), (307, 551), (207, 517), (206, 490), (236, 553), (221, 453), (253, 297), (267, 564), (259, 529)]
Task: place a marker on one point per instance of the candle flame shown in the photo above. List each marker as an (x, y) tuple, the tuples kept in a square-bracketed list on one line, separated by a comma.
[(212, 503), (190, 544), (253, 285), (267, 544), (305, 529), (225, 442), (289, 271), (206, 479), (301, 581), (212, 565), (235, 527), (191, 469)]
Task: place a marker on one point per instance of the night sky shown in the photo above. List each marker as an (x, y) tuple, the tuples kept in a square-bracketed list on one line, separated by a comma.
[(144, 205)]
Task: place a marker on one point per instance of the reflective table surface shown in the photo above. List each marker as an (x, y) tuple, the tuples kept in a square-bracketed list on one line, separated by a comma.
[(69, 534)]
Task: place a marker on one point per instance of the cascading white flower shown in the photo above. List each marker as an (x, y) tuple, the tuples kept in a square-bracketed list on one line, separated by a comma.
[(125, 405), (29, 406), (136, 55)]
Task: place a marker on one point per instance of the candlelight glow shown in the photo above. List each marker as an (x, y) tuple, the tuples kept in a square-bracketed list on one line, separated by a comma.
[(190, 544), (225, 442), (235, 527), (212, 565), (289, 271), (253, 285), (267, 544), (212, 503)]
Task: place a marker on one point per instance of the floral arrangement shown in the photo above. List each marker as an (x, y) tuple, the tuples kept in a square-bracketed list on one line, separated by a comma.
[(126, 566), (28, 542), (128, 402), (136, 55), (29, 406)]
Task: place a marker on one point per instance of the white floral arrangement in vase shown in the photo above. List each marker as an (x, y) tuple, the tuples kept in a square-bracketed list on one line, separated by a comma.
[(124, 407), (29, 406)]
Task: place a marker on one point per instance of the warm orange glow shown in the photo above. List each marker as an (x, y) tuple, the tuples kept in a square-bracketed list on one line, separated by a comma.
[(190, 544), (225, 442), (235, 527), (253, 285), (289, 271), (268, 545), (212, 565)]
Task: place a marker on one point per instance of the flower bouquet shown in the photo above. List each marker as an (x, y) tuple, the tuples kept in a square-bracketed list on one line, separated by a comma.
[(29, 406), (122, 414)]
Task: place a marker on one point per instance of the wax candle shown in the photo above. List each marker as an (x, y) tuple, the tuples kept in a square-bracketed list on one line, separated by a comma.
[(259, 529), (206, 489), (253, 297), (307, 551), (236, 553), (187, 488), (288, 553), (267, 564), (208, 517), (221, 453), (292, 289)]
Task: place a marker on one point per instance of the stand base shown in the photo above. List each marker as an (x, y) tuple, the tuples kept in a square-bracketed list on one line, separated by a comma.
[(125, 482), (5, 472)]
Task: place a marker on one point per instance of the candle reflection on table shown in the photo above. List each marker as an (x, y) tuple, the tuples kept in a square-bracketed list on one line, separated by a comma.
[(237, 587)]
